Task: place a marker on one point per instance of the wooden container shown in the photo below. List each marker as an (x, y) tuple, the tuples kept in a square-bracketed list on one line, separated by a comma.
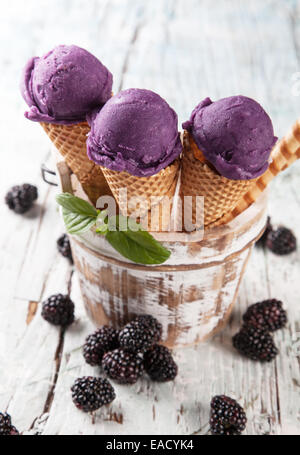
[(192, 294)]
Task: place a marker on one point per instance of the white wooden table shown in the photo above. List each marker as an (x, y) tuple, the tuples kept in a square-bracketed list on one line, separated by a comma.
[(185, 50)]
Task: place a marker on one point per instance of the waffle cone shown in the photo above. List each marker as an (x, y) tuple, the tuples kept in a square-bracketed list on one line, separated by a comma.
[(198, 178), (70, 140), (159, 219), (284, 154), (151, 191)]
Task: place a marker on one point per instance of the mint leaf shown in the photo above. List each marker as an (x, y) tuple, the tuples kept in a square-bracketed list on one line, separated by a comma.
[(77, 224), (138, 246), (76, 205), (79, 216)]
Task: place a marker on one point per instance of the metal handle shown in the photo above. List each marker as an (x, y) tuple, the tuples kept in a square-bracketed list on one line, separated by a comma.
[(45, 170)]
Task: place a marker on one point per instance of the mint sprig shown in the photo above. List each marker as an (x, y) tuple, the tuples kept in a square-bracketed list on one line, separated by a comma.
[(124, 234)]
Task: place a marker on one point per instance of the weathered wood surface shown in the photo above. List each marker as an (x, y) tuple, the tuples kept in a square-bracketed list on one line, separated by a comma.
[(185, 51)]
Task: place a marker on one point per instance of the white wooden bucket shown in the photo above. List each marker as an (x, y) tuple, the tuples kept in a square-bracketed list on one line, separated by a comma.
[(192, 294)]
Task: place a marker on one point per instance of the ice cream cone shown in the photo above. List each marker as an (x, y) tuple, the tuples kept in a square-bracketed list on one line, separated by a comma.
[(159, 218), (285, 153), (199, 178), (70, 140), (150, 191)]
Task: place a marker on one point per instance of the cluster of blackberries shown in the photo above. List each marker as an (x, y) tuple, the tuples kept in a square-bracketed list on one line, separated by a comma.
[(20, 198), (6, 427), (124, 356), (280, 241), (254, 340), (227, 417)]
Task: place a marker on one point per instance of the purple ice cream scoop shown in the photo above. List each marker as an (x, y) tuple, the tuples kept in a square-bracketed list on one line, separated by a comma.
[(136, 131), (235, 134), (64, 85)]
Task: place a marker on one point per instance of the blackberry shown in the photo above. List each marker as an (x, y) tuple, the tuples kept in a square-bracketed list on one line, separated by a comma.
[(58, 310), (63, 245), (152, 323), (227, 417), (122, 366), (6, 427), (263, 239), (89, 393), (21, 197), (98, 343), (255, 343), (159, 364), (268, 315), (138, 336), (281, 241)]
